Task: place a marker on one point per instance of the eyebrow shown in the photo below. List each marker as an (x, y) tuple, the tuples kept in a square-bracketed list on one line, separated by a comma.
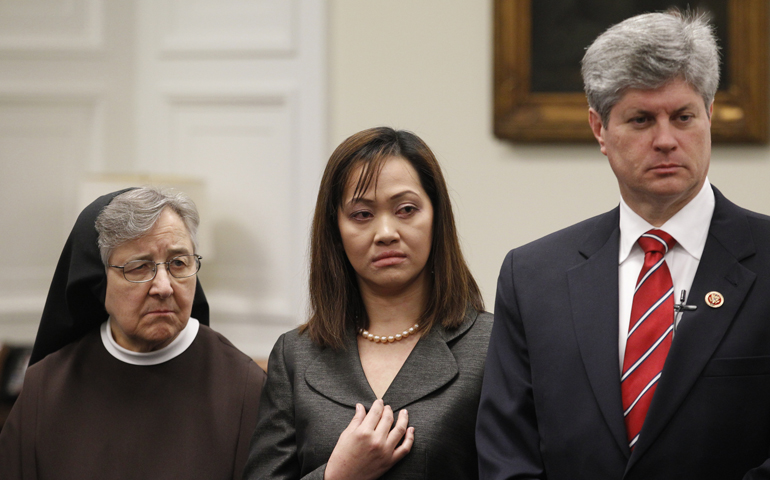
[(637, 111), (171, 253), (369, 201)]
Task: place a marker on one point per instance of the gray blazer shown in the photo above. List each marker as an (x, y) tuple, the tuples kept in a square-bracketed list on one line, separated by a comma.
[(311, 393)]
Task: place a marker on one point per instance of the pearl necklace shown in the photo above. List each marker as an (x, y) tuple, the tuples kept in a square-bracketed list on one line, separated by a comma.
[(390, 338)]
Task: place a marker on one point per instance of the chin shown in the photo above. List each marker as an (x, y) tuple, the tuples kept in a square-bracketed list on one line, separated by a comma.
[(675, 191), (671, 186), (156, 342), (165, 332), (397, 284)]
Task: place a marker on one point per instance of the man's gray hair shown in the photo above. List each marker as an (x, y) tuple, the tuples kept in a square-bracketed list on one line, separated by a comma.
[(132, 215), (646, 52)]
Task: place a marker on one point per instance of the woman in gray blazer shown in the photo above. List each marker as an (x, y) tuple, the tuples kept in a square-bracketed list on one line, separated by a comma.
[(384, 378)]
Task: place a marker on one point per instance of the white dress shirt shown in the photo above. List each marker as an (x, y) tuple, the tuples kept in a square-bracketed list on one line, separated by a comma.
[(689, 227)]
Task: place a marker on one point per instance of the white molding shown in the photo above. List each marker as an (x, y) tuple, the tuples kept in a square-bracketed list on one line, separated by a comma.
[(247, 33), (273, 94), (90, 96), (88, 40), (53, 92), (25, 286), (207, 94)]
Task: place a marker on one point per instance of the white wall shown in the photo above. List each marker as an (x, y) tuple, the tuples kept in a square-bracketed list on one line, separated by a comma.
[(225, 98), (426, 66)]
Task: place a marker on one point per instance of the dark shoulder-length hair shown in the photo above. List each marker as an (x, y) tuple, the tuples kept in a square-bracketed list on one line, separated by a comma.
[(335, 299)]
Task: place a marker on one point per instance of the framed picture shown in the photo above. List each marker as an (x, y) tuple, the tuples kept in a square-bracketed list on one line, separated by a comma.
[(538, 45)]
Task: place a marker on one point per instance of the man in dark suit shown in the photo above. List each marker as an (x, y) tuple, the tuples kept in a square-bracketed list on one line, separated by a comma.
[(636, 344)]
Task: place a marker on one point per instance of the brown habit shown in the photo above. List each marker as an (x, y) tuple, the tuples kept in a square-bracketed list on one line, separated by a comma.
[(84, 414)]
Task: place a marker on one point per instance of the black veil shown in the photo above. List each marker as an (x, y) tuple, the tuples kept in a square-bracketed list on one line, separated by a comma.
[(75, 303)]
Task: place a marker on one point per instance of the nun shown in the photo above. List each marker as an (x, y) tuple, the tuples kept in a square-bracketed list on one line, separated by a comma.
[(126, 378)]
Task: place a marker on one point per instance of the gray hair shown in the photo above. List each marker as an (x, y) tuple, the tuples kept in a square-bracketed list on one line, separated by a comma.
[(646, 52), (132, 215)]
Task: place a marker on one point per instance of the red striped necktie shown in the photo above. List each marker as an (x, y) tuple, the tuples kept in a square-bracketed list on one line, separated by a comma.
[(650, 331)]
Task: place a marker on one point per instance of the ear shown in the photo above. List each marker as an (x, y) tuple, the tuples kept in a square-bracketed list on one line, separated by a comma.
[(595, 120), (711, 112)]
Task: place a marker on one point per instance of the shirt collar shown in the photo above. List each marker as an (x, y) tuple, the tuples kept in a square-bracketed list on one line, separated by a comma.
[(689, 226), (172, 350)]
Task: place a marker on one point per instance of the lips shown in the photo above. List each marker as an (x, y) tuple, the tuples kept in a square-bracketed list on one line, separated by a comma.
[(665, 168), (391, 257), (667, 165)]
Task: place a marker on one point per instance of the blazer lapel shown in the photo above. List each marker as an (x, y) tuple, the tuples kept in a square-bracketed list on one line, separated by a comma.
[(430, 366), (339, 376), (593, 290), (699, 332)]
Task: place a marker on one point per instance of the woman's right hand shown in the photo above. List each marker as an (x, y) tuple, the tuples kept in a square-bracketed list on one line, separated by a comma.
[(368, 447)]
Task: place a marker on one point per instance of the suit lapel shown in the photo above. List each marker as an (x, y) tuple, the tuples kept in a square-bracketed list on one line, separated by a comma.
[(430, 366), (700, 332), (339, 376), (593, 290)]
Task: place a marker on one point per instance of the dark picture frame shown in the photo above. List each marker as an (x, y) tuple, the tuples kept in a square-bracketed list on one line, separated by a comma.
[(523, 115)]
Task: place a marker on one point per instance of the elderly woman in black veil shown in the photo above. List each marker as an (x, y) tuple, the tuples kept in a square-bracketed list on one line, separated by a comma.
[(126, 379)]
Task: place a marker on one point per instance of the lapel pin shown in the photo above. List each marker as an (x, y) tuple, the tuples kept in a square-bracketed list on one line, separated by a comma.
[(714, 299)]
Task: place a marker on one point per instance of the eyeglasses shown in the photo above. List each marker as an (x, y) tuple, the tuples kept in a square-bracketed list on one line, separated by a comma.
[(140, 271)]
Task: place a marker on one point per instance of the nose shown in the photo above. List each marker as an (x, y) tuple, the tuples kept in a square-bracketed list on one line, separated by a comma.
[(161, 284), (386, 230), (665, 138)]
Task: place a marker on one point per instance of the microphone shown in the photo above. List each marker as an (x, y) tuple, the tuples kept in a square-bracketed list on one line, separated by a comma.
[(681, 306)]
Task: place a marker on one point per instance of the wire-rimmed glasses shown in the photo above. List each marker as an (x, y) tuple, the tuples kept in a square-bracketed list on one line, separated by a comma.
[(141, 271)]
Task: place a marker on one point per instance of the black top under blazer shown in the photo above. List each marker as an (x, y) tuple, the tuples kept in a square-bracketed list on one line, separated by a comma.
[(311, 393)]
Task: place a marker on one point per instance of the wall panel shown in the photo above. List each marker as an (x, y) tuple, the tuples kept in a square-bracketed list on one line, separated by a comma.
[(51, 25), (46, 143), (229, 27)]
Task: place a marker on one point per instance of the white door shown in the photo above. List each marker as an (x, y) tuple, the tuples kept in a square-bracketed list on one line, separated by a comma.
[(226, 97)]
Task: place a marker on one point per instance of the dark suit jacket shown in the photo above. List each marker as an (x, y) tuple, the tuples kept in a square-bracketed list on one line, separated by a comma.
[(551, 402), (311, 393)]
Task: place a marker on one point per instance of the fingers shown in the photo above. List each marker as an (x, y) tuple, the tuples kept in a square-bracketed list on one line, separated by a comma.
[(368, 447), (395, 435), (374, 415), (357, 418), (401, 451), (386, 421), (390, 438)]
